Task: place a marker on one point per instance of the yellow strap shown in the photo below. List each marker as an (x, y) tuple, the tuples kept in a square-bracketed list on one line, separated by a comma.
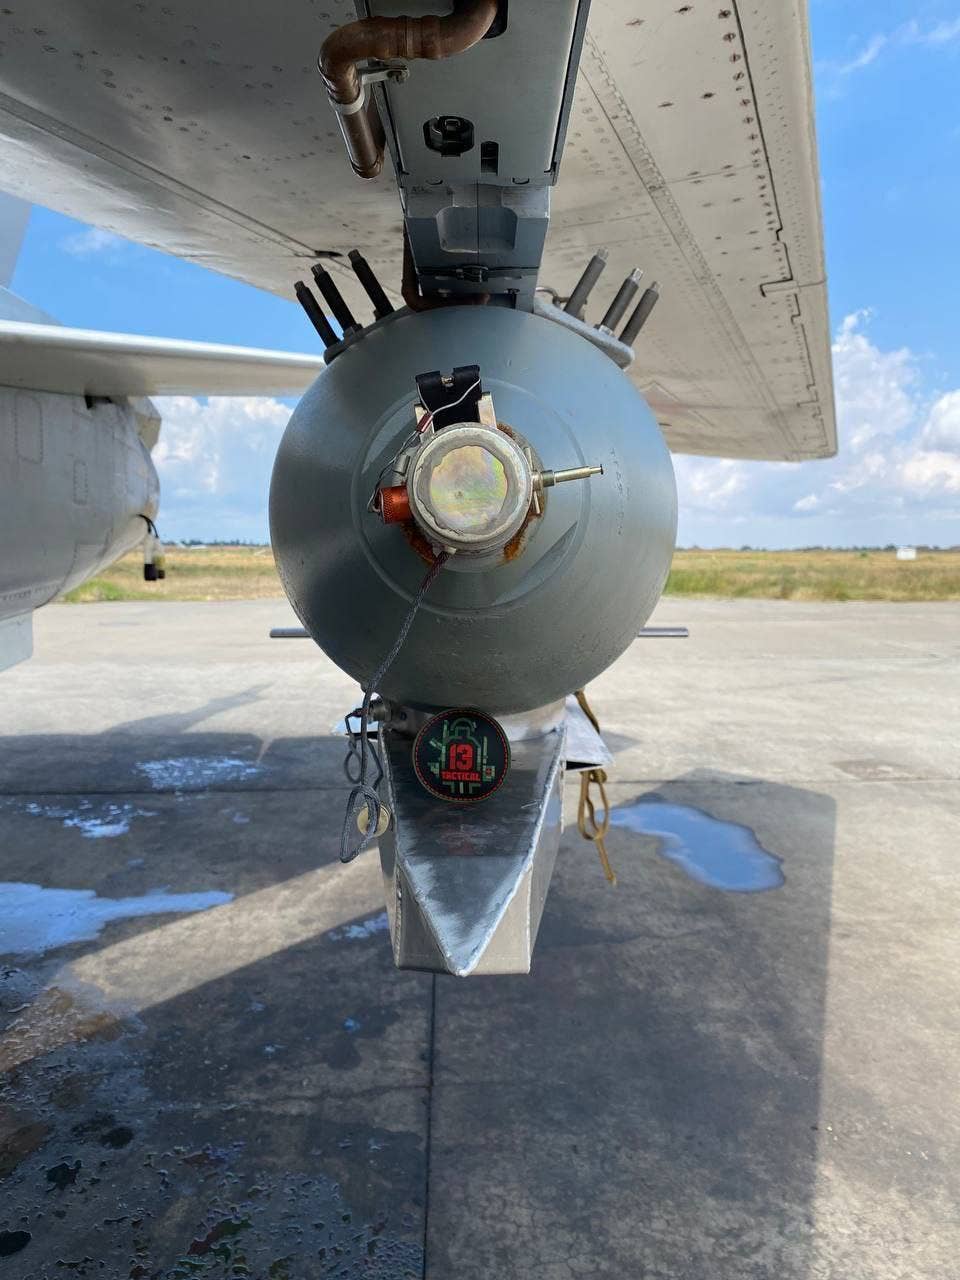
[(587, 823)]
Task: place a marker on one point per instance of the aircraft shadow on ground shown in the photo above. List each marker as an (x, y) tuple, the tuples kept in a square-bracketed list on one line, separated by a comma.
[(648, 1098)]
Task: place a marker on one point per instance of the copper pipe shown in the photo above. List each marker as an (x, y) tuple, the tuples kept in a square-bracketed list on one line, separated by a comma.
[(386, 39)]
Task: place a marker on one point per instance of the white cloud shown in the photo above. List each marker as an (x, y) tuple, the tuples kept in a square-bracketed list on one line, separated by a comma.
[(93, 241), (873, 387), (214, 458), (868, 54), (941, 34), (808, 503), (931, 471), (897, 472), (895, 479), (938, 36), (942, 428), (710, 485)]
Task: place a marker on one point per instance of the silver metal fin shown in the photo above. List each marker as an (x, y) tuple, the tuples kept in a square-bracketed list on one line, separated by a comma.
[(585, 748), (465, 884)]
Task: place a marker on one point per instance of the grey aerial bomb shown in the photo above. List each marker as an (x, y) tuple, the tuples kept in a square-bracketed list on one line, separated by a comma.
[(508, 628), (479, 566)]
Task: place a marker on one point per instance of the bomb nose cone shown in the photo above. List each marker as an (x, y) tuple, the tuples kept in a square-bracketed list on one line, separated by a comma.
[(529, 606)]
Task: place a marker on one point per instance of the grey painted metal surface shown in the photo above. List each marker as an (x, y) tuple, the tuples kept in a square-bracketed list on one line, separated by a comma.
[(15, 308), (89, 362), (619, 352), (75, 433), (14, 216), (204, 130), (485, 211), (507, 636), (465, 884), (478, 239), (75, 481), (533, 57)]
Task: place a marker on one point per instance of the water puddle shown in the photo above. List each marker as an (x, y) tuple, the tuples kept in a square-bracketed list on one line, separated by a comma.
[(34, 919), (178, 773), (723, 855), (93, 820)]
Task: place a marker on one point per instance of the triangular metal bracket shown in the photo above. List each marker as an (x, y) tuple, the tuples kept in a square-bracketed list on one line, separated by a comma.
[(465, 884)]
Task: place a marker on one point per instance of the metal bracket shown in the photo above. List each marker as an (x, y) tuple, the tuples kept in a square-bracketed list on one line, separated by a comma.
[(372, 73), (466, 884), (375, 72)]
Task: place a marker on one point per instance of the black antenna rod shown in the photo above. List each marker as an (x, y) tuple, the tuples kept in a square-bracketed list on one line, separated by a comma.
[(334, 299), (584, 286), (315, 314), (641, 313), (382, 306), (624, 296)]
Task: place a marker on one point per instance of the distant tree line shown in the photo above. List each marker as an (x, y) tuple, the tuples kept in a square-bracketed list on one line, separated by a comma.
[(890, 546)]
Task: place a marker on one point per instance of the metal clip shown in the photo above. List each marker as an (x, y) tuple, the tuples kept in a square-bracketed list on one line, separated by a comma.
[(372, 73)]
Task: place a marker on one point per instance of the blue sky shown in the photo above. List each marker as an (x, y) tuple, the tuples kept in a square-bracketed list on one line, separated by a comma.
[(888, 111), (889, 135)]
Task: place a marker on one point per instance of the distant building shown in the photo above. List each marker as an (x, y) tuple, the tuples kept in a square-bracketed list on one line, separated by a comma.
[(906, 553)]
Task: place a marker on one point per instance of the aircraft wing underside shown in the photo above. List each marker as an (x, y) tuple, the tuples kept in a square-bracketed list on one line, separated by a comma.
[(204, 130)]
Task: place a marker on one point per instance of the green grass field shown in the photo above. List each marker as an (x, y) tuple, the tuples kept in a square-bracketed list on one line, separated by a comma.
[(248, 573), (193, 573), (816, 575)]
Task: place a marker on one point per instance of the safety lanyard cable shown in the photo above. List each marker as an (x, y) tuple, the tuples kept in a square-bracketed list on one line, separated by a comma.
[(364, 794), (587, 823)]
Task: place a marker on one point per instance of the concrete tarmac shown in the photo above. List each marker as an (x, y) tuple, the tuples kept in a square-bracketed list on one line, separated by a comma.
[(211, 1068)]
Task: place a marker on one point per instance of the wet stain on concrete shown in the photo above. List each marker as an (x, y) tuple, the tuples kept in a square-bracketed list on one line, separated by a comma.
[(64, 1175), (209, 1159), (117, 1137), (722, 855), (34, 919), (315, 1225), (54, 1019), (167, 1143), (99, 1126), (875, 770), (195, 773), (19, 1140), (356, 932), (342, 1051), (12, 1242), (218, 1233), (94, 820), (251, 1195)]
